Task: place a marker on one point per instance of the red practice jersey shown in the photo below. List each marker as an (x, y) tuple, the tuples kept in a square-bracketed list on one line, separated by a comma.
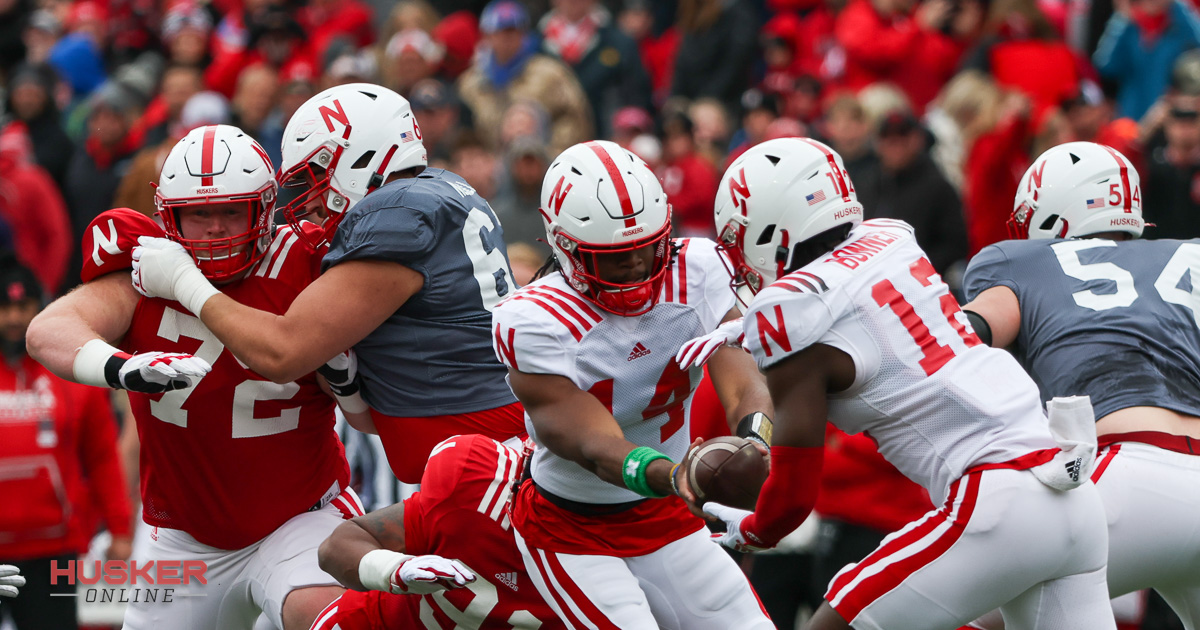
[(461, 512), (234, 457)]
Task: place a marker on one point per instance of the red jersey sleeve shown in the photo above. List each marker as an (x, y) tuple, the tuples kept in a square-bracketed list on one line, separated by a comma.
[(109, 240)]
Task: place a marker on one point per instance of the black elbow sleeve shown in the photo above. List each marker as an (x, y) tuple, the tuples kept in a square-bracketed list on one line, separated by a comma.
[(982, 329)]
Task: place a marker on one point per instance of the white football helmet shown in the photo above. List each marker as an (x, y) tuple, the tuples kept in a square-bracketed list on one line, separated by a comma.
[(1077, 189), (598, 198), (219, 164), (342, 144), (773, 197)]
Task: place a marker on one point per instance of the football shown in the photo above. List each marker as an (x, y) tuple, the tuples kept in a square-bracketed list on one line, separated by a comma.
[(728, 470)]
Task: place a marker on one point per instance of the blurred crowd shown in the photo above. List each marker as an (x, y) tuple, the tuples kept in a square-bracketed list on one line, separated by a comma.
[(936, 105)]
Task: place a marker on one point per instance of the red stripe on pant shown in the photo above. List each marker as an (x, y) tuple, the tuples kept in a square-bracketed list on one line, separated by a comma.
[(875, 586), (568, 615), (577, 595), (1105, 461)]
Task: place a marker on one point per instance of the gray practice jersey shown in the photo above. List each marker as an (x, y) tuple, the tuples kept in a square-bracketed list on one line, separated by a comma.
[(434, 356), (1117, 321)]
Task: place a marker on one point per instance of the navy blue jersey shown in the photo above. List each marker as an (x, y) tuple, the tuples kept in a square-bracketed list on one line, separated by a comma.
[(1117, 321), (434, 356)]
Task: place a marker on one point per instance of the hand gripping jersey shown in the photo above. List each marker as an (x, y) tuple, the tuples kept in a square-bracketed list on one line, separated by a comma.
[(461, 512), (231, 459), (1117, 321), (628, 363), (934, 398), (432, 357)]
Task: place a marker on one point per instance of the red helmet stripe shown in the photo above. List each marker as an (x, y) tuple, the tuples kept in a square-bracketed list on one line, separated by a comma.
[(206, 155), (1124, 178), (841, 179), (614, 174)]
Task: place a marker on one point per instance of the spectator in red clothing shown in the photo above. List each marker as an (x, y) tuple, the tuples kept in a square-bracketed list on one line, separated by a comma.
[(656, 45), (887, 40), (458, 33), (1018, 37), (797, 40), (997, 156), (33, 209), (58, 460), (689, 180), (327, 20), (276, 39)]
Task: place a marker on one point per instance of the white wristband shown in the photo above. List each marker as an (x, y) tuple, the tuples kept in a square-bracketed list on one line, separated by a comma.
[(90, 360), (376, 569), (193, 290)]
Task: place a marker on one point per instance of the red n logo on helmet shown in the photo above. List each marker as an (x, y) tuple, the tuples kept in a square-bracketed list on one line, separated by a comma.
[(556, 198), (1035, 177), (739, 191), (329, 115)]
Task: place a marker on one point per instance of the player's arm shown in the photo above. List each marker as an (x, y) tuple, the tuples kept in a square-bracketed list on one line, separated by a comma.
[(574, 425), (799, 385), (100, 309), (330, 315), (367, 554), (741, 388), (72, 338), (995, 314)]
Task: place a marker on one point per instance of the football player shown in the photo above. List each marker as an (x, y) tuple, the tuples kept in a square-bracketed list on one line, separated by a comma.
[(1090, 310), (241, 473), (416, 263), (850, 323), (461, 512), (590, 349)]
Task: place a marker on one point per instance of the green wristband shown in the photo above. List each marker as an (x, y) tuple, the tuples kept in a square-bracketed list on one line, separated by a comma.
[(633, 471)]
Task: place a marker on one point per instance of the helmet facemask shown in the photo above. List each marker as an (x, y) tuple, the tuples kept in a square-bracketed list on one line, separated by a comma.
[(227, 258), (744, 280), (313, 177), (624, 299)]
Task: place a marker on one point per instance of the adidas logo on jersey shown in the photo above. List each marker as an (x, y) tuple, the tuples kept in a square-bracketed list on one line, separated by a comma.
[(508, 579), (638, 351), (1073, 467)]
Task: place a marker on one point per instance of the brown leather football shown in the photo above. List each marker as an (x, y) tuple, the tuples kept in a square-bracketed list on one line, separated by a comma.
[(728, 470)]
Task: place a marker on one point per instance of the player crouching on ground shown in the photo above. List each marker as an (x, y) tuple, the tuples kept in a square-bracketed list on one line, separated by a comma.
[(590, 350), (851, 324), (238, 472)]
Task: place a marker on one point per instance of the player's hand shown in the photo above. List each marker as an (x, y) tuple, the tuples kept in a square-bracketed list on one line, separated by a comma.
[(164, 269), (429, 574), (733, 537), (696, 352), (158, 372), (10, 580), (679, 482)]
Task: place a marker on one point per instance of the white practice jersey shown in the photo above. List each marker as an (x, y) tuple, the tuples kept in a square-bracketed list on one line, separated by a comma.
[(628, 363), (934, 398)]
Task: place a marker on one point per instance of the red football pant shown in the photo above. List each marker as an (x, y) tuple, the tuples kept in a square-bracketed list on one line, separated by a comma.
[(408, 441)]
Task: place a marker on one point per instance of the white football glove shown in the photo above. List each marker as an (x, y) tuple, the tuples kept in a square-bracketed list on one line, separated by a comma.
[(401, 574), (732, 537), (158, 372), (164, 269), (10, 580), (429, 574), (102, 365), (696, 352), (341, 372)]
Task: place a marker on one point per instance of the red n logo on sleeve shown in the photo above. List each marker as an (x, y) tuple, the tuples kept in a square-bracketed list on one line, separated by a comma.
[(777, 332), (507, 351)]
